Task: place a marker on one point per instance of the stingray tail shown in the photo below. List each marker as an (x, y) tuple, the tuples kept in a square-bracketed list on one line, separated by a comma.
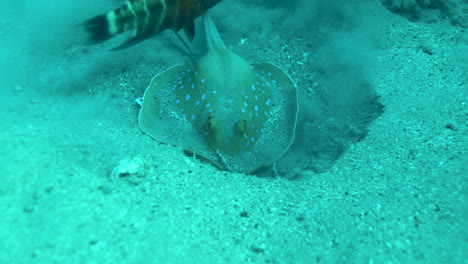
[(213, 39)]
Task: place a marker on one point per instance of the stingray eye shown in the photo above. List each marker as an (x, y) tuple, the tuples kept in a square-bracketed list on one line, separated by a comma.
[(241, 127), (211, 125), (213, 132)]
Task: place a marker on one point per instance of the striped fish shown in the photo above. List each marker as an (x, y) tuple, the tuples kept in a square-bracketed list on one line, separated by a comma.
[(146, 18)]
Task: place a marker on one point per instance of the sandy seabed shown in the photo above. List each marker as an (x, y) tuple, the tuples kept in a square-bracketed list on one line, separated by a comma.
[(396, 196)]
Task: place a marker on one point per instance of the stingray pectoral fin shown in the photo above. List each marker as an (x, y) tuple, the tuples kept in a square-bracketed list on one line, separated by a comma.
[(216, 164), (160, 116), (152, 108), (280, 128)]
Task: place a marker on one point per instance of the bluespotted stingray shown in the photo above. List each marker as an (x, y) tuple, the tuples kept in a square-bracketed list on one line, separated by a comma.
[(241, 117)]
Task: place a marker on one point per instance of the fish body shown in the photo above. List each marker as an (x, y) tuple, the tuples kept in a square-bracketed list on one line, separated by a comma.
[(239, 116), (146, 18)]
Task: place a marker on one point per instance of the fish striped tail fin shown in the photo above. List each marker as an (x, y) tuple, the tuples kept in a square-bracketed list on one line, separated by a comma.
[(105, 26), (98, 28)]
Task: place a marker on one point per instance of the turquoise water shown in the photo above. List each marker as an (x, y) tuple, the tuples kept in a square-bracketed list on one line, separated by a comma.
[(375, 173)]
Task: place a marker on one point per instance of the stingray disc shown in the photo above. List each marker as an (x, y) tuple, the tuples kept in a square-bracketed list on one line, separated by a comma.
[(240, 117), (241, 127)]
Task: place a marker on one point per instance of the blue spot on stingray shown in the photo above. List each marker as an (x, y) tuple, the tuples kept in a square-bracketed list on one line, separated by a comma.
[(207, 105), (197, 102), (214, 92), (210, 110), (194, 117), (269, 74), (187, 97), (203, 97), (193, 86), (256, 97), (196, 73), (177, 101), (253, 87), (245, 103), (256, 108), (268, 102), (252, 138), (181, 87), (181, 109), (202, 80), (243, 110)]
